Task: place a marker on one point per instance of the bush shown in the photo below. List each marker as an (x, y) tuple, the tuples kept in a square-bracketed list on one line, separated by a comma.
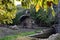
[(43, 17), (7, 11)]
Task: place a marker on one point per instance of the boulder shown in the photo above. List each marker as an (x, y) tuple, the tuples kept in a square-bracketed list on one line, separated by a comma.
[(43, 34), (54, 37), (14, 27)]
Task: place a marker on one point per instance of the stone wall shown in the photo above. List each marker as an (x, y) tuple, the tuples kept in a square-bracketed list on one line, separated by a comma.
[(58, 19)]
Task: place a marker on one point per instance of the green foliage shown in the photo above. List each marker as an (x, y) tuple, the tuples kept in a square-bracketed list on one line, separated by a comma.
[(28, 3), (7, 11), (46, 18), (19, 13), (13, 37), (39, 10), (33, 12)]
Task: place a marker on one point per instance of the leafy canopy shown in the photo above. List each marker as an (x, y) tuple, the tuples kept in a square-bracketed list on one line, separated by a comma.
[(7, 11)]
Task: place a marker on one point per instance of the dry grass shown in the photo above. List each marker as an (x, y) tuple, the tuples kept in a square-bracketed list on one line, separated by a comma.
[(26, 38)]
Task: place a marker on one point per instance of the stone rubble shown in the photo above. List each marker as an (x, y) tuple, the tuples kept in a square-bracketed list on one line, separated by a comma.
[(54, 37)]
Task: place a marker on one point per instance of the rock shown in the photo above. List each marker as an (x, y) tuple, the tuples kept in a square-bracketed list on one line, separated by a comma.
[(3, 25), (44, 33), (54, 37), (14, 27), (27, 23)]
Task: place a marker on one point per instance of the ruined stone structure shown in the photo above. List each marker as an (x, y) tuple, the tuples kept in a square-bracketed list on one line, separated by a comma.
[(58, 19)]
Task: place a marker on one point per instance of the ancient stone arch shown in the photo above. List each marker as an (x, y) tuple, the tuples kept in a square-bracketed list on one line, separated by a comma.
[(26, 22)]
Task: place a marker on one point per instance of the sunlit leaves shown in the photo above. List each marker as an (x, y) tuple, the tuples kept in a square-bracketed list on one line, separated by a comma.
[(37, 7), (44, 11), (7, 11)]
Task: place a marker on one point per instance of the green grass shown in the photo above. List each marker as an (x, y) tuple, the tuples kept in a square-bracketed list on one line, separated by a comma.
[(13, 37)]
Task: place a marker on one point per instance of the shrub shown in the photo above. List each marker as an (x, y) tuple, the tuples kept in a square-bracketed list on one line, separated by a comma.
[(43, 17), (7, 11)]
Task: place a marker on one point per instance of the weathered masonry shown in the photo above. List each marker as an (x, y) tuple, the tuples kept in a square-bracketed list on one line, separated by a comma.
[(58, 18)]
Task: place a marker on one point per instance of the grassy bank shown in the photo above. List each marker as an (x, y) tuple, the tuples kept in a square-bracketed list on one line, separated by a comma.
[(13, 37)]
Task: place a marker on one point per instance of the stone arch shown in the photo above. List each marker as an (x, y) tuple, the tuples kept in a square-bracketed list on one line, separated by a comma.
[(26, 21), (22, 18)]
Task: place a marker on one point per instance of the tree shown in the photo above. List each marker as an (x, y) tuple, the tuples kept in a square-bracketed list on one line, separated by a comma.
[(40, 3), (7, 11)]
